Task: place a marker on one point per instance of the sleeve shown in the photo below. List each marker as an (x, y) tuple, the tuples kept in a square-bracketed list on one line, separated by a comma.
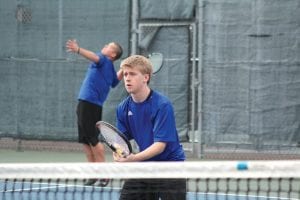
[(121, 121), (115, 78), (164, 125), (101, 59), (108, 70)]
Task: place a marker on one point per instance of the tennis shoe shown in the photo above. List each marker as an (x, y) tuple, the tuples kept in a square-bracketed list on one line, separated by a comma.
[(102, 182), (90, 182)]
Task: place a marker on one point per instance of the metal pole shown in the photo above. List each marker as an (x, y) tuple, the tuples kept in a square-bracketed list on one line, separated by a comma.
[(60, 28), (200, 65), (194, 85), (134, 26)]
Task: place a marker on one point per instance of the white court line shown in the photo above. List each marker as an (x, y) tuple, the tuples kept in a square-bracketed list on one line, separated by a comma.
[(53, 186)]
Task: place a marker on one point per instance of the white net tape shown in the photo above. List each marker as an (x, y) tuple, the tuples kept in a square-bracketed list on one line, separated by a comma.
[(202, 169)]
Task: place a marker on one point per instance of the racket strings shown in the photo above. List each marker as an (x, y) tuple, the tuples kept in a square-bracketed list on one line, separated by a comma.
[(114, 139)]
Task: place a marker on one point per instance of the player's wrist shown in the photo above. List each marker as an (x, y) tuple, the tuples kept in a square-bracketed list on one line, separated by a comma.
[(78, 50)]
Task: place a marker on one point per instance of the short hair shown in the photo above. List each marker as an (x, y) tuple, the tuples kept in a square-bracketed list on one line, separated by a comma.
[(140, 63), (119, 50)]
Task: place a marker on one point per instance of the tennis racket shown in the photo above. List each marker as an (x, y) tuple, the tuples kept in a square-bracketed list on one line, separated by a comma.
[(157, 61), (114, 139)]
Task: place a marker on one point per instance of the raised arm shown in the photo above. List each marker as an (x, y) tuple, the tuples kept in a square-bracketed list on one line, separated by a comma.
[(73, 46), (120, 74)]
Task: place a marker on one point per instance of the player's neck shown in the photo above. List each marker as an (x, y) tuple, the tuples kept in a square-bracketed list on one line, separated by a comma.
[(141, 96)]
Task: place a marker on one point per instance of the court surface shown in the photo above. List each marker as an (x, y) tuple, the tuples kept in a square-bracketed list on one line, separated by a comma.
[(35, 191)]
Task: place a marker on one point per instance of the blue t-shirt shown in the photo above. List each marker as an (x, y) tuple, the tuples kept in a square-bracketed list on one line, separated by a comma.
[(98, 80), (151, 121)]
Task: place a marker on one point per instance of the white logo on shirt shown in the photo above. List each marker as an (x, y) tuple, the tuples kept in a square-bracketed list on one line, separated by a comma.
[(129, 113)]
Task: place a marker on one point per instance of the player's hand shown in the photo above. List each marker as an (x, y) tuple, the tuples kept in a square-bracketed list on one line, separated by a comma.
[(72, 46), (119, 158)]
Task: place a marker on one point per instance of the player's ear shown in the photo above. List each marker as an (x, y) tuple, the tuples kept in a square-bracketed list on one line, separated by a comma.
[(147, 78), (114, 55)]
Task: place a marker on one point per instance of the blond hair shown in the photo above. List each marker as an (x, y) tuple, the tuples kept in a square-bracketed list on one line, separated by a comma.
[(141, 63)]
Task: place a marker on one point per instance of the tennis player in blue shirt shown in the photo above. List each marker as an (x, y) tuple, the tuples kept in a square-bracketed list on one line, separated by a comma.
[(100, 77), (147, 117)]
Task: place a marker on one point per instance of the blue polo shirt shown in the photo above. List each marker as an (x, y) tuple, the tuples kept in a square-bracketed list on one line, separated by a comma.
[(98, 80), (151, 121)]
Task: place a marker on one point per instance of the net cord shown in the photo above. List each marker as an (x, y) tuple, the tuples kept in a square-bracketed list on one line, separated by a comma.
[(188, 169)]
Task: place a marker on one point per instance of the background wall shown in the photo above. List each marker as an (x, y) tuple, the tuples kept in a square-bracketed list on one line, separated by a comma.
[(231, 68), (39, 79), (251, 72)]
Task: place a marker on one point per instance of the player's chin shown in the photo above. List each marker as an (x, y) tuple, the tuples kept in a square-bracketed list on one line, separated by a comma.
[(129, 89)]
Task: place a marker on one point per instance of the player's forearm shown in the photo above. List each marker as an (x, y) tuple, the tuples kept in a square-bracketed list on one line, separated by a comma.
[(88, 54), (120, 74), (73, 46), (151, 151)]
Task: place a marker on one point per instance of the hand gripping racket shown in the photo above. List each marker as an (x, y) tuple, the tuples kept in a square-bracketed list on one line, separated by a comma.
[(114, 139)]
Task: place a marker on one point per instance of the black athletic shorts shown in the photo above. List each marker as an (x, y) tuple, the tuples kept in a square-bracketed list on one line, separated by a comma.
[(87, 116), (154, 189)]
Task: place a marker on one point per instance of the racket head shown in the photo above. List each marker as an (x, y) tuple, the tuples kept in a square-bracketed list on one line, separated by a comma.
[(114, 139), (157, 61)]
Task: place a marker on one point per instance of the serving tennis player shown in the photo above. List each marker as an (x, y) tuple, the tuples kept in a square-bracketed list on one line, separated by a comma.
[(147, 117)]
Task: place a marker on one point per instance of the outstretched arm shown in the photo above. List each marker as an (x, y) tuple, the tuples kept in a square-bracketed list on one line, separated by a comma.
[(72, 46)]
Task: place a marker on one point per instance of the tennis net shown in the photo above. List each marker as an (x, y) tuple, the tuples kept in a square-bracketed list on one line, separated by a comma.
[(203, 180)]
